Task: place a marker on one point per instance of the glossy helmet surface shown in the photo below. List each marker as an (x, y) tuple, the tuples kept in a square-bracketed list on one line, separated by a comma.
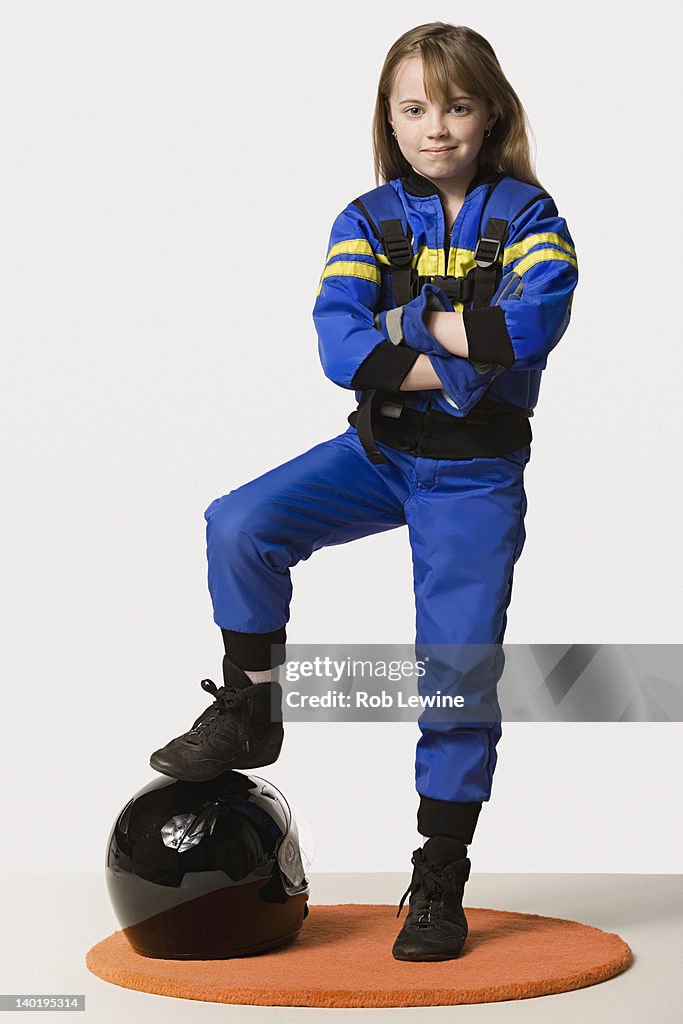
[(207, 870)]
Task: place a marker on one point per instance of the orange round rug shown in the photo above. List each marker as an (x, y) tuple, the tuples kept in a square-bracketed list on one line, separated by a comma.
[(342, 957)]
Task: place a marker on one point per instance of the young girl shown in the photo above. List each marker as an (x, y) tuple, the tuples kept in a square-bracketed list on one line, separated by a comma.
[(443, 292)]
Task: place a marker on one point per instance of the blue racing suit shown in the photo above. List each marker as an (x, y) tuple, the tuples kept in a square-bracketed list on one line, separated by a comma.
[(465, 516)]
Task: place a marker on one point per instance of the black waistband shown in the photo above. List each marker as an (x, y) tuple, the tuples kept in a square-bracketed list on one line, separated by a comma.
[(490, 429)]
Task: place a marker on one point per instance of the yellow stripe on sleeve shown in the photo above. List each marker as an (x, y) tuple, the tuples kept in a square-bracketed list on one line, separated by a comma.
[(350, 268), (540, 256), (514, 252)]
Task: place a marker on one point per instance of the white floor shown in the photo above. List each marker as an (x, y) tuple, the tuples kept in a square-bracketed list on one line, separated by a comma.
[(50, 921)]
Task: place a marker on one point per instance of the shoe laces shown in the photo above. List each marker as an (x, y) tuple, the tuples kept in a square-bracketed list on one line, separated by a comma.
[(427, 878), (225, 697)]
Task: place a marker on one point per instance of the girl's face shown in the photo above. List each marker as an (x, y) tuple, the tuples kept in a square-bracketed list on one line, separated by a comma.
[(456, 128)]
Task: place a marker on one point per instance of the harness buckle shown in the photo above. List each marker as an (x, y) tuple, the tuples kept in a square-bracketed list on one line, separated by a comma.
[(458, 289), (391, 409), (487, 251), (398, 251)]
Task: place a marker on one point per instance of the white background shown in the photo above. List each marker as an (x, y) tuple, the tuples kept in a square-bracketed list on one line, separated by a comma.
[(169, 176)]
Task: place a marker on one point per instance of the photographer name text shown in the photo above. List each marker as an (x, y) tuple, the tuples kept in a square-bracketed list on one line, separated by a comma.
[(361, 699)]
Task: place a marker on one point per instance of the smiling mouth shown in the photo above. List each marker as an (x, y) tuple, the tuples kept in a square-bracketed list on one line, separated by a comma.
[(442, 149)]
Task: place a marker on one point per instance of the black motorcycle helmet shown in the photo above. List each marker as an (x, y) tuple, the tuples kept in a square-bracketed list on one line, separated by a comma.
[(207, 870)]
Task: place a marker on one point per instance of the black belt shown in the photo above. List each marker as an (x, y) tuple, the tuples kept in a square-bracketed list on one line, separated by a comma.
[(491, 428)]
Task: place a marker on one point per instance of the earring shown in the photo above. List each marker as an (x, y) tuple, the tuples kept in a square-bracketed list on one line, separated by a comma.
[(395, 135), (487, 133)]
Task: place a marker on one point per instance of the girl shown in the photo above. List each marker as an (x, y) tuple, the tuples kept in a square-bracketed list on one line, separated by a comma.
[(443, 292)]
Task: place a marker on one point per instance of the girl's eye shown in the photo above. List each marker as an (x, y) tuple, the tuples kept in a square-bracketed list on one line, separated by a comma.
[(459, 105)]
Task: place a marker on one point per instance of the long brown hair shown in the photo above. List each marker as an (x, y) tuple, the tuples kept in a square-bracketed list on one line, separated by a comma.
[(455, 53)]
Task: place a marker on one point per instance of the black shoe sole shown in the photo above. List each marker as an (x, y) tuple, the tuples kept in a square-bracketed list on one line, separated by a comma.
[(427, 954), (426, 957)]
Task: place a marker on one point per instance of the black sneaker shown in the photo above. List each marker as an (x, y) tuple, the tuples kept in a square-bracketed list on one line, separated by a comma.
[(436, 926), (236, 731)]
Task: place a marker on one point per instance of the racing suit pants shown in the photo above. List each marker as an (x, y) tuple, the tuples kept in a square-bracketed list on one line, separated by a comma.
[(466, 529)]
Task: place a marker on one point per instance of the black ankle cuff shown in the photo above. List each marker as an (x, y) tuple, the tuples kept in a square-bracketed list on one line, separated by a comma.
[(447, 818), (252, 651)]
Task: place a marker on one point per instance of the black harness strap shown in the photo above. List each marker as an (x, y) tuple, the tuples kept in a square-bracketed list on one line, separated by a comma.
[(404, 286), (486, 257), (364, 428), (399, 252)]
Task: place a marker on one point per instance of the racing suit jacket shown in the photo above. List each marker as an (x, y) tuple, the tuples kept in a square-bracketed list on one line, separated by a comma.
[(508, 341)]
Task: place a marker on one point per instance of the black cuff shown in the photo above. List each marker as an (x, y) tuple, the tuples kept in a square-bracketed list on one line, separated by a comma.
[(488, 339), (385, 368), (251, 651), (447, 818)]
